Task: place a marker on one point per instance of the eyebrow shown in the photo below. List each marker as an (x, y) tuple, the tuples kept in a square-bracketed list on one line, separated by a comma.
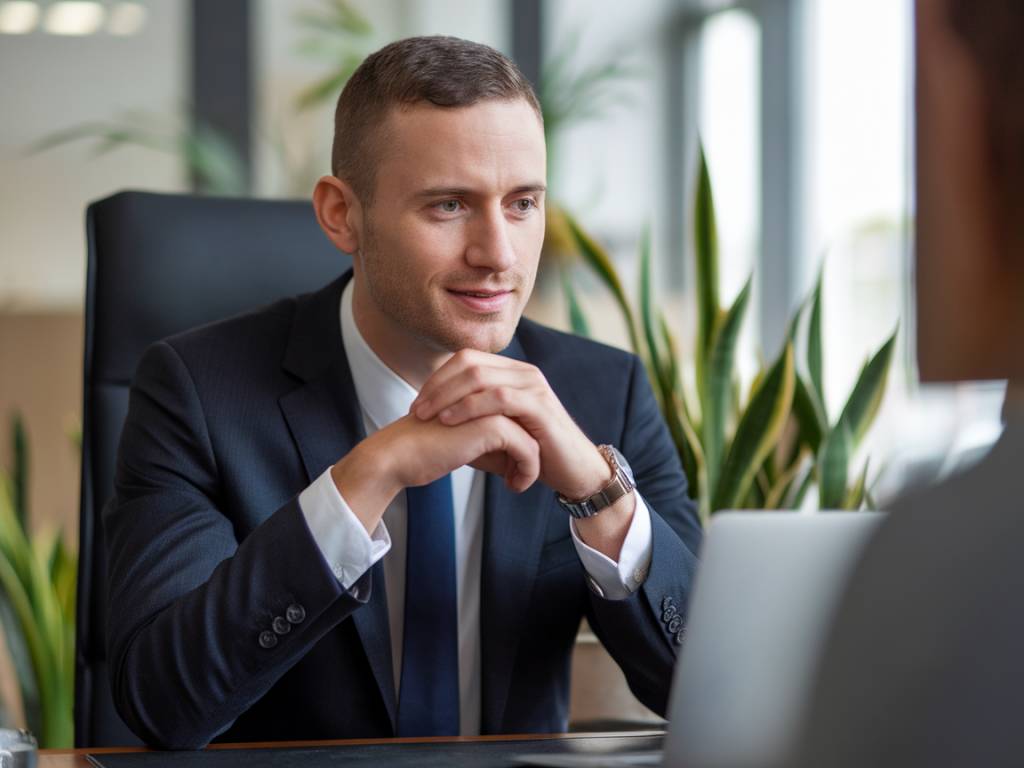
[(466, 191)]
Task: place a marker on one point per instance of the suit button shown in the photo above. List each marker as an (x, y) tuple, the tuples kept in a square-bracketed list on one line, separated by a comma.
[(680, 635), (669, 613), (675, 625), (280, 626), (267, 639), (667, 602), (295, 614)]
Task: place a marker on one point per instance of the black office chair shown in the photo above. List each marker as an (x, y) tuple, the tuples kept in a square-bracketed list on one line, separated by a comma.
[(160, 264)]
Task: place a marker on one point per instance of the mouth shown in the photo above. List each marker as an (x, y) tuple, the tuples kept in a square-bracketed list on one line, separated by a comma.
[(482, 301)]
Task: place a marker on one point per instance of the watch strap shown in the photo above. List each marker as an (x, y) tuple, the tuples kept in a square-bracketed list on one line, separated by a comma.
[(617, 487)]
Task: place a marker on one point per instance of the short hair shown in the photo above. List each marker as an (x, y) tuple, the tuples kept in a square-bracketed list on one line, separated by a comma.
[(991, 31), (444, 71)]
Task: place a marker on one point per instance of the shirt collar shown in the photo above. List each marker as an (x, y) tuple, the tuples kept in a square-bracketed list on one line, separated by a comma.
[(383, 395)]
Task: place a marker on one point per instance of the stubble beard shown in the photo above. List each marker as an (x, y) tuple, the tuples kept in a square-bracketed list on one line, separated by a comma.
[(403, 304)]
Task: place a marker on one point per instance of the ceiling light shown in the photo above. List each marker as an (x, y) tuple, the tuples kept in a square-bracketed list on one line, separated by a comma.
[(74, 17), (126, 19), (18, 17)]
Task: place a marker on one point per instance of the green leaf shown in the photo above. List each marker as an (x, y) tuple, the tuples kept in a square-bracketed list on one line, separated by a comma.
[(19, 444), (834, 467), (757, 433), (808, 415), (577, 320), (855, 496), (706, 249), (599, 260), (862, 407), (721, 375), (215, 160), (776, 496), (814, 348)]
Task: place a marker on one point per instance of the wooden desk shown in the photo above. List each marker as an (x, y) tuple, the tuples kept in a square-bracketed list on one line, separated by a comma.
[(75, 758)]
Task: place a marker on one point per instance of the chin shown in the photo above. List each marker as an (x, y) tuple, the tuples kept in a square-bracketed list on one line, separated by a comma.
[(491, 339)]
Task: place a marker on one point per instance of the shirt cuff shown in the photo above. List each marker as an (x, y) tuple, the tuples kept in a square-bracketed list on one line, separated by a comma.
[(617, 581), (346, 546)]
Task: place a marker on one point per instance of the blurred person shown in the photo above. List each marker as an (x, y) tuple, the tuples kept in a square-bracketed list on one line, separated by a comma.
[(925, 665), (310, 537)]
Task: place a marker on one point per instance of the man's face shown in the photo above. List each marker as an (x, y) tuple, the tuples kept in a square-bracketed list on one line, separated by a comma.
[(449, 247)]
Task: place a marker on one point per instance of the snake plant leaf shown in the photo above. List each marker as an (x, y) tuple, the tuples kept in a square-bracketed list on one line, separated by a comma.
[(855, 496), (757, 432), (677, 414), (599, 260), (671, 352), (647, 306), (834, 467), (862, 407), (784, 482), (19, 441), (815, 357), (808, 414), (721, 369), (869, 501), (706, 274), (577, 320), (794, 498)]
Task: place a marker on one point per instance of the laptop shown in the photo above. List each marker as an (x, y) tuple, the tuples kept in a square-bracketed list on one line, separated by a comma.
[(765, 593)]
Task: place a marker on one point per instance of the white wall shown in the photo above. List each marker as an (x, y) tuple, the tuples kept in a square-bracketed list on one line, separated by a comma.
[(49, 83)]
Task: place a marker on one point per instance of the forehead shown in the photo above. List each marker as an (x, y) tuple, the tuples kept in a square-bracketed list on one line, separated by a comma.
[(490, 146)]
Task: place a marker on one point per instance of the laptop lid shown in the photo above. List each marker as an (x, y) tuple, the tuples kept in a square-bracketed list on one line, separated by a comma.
[(764, 596)]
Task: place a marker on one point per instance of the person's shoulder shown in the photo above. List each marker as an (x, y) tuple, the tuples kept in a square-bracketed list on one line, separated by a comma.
[(983, 497), (551, 349), (252, 332)]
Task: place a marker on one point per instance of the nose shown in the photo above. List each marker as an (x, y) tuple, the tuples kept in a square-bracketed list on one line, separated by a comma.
[(490, 243)]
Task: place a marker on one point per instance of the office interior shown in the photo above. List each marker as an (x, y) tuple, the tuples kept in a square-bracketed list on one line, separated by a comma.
[(803, 108)]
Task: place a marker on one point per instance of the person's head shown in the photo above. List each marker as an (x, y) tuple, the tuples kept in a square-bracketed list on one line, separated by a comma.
[(970, 189), (437, 190)]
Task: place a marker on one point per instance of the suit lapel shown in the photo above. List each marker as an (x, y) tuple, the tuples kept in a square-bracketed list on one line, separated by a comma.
[(514, 526), (326, 422)]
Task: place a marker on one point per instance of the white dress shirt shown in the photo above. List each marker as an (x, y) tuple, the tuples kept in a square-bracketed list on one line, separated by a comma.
[(384, 397)]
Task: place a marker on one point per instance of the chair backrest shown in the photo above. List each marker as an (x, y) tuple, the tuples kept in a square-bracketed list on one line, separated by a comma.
[(159, 264)]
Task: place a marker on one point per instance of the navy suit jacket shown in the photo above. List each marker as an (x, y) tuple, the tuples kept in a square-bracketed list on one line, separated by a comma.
[(228, 423)]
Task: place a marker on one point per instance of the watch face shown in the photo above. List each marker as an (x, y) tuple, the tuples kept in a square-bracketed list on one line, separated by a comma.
[(623, 463)]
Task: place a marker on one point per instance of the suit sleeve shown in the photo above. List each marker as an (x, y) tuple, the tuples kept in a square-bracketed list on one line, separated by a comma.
[(643, 631), (191, 627)]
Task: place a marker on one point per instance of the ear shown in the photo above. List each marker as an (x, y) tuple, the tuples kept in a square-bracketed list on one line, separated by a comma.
[(339, 213)]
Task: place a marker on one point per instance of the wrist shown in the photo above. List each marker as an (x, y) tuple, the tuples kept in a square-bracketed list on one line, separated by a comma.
[(595, 475), (366, 482)]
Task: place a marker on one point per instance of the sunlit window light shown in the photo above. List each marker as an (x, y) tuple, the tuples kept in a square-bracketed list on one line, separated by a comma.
[(126, 19), (74, 17), (18, 17)]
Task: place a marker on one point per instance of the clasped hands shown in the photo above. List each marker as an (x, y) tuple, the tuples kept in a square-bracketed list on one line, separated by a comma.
[(491, 412)]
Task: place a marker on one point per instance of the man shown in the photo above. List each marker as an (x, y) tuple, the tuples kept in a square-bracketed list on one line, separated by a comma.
[(925, 663), (348, 514)]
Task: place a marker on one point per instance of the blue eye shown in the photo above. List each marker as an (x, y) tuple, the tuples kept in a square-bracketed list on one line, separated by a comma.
[(450, 206), (524, 205)]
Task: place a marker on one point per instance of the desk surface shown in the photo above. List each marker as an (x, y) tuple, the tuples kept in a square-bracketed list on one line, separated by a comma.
[(76, 758)]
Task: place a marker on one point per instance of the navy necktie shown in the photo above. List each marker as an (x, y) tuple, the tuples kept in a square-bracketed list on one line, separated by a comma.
[(428, 698)]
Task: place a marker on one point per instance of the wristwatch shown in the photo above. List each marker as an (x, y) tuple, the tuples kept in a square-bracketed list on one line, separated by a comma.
[(621, 483)]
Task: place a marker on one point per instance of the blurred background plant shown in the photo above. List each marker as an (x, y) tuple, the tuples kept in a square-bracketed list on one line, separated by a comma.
[(570, 94), (334, 32), (764, 448), (38, 573), (337, 34)]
